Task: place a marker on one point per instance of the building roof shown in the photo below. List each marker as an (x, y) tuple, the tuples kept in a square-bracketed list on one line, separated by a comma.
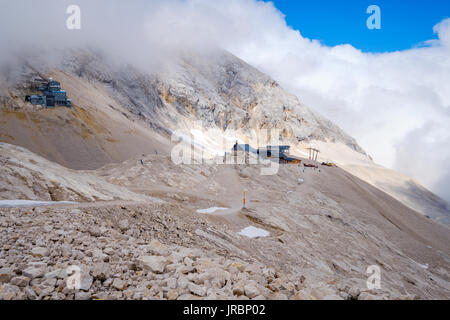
[(243, 147)]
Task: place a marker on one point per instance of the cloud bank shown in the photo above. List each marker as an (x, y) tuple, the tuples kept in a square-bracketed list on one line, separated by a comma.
[(397, 105)]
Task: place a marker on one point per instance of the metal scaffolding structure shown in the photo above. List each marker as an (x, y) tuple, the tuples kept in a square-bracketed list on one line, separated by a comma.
[(313, 154)]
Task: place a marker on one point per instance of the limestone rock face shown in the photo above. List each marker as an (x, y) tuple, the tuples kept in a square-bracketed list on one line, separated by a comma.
[(217, 88)]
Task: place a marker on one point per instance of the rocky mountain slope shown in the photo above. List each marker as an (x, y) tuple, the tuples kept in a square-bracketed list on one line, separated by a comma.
[(320, 238), (98, 130), (123, 111), (27, 176), (146, 228), (403, 188)]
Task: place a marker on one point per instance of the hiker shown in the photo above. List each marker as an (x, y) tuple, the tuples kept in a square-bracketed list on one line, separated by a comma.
[(142, 162)]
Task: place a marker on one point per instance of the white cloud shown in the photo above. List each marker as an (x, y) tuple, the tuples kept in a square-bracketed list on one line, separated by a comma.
[(397, 105)]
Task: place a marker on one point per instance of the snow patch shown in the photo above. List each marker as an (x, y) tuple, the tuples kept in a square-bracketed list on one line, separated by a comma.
[(30, 203), (211, 210), (252, 232), (424, 266)]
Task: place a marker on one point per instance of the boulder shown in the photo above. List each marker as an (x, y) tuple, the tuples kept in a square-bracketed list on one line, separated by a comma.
[(124, 225), (251, 290), (109, 251), (9, 292), (40, 252), (269, 273), (197, 290), (156, 264), (56, 274), (216, 276), (238, 289), (29, 293), (20, 281), (85, 281), (322, 290), (95, 231), (6, 275), (98, 255), (100, 271), (35, 270), (119, 284), (244, 173), (82, 295)]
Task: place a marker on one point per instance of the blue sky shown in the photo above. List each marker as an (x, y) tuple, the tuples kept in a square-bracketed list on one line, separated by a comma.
[(404, 23)]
